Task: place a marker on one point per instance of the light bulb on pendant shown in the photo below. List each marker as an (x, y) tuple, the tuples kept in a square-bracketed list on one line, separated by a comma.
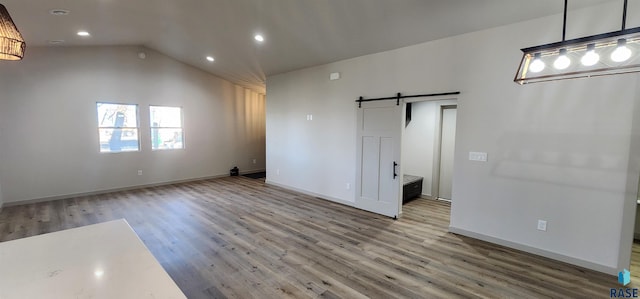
[(536, 65), (591, 57), (621, 53), (562, 62)]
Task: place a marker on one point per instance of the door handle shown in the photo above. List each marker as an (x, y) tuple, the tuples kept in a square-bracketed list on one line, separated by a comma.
[(394, 169)]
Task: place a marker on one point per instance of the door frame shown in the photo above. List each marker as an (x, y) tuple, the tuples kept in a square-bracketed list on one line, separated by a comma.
[(437, 155), (435, 182)]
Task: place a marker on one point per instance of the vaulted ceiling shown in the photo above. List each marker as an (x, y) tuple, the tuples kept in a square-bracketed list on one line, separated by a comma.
[(298, 33)]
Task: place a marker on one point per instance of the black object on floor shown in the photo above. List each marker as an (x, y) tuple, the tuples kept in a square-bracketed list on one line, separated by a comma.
[(257, 175)]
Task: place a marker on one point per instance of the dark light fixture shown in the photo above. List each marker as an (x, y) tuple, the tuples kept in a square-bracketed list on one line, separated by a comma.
[(604, 54), (11, 42)]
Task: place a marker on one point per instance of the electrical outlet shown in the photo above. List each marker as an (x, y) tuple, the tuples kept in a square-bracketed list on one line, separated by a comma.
[(139, 171), (278, 171), (254, 161), (348, 186), (542, 225)]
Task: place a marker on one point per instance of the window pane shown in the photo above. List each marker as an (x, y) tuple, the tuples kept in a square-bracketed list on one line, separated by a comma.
[(118, 127), (166, 139), (167, 117), (118, 140), (117, 115)]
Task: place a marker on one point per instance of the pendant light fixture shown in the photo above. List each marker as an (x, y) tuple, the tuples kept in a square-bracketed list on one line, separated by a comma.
[(11, 41), (604, 54)]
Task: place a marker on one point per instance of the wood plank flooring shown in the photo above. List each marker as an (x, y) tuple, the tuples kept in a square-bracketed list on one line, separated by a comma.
[(236, 237)]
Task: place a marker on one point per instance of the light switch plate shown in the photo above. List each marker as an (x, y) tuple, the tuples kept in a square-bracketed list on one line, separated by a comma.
[(478, 156)]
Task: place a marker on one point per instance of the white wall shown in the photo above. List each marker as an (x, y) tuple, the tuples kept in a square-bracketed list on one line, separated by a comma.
[(558, 151), (49, 128)]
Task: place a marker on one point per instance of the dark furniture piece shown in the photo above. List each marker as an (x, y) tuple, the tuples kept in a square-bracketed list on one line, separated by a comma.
[(412, 187)]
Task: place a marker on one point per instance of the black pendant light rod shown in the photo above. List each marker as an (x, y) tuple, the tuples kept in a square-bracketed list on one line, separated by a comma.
[(564, 21), (582, 40), (624, 16), (398, 96), (623, 31)]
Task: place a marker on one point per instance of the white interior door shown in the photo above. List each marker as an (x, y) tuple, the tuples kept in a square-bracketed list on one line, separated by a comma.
[(378, 180), (447, 146)]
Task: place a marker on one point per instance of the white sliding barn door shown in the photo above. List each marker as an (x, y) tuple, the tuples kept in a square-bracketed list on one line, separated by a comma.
[(378, 179)]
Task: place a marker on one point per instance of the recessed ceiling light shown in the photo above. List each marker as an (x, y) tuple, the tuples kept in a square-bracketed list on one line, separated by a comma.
[(56, 42), (83, 33), (259, 37), (59, 12), (210, 59), (98, 273)]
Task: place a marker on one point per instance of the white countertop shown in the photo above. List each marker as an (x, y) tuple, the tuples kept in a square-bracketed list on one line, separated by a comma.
[(105, 260)]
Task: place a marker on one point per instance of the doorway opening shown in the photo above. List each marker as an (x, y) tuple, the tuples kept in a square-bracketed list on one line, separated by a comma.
[(635, 247), (428, 143)]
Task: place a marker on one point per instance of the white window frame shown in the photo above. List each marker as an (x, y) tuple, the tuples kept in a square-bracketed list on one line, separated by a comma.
[(152, 127), (136, 128)]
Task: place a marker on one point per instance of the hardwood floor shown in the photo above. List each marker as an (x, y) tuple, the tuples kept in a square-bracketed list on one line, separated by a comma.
[(236, 237), (635, 263)]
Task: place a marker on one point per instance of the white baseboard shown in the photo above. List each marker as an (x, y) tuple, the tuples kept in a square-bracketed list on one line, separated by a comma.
[(310, 193), (104, 191), (537, 251)]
